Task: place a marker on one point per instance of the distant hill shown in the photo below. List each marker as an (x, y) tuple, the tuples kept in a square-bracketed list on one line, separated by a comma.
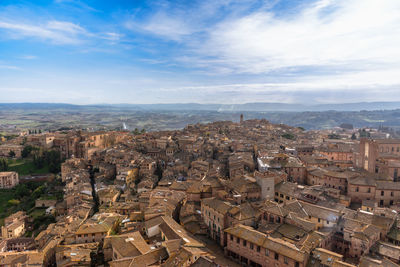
[(250, 107), (14, 116)]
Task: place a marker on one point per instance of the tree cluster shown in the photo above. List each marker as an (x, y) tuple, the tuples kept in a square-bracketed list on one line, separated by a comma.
[(35, 131), (3, 165), (26, 152), (288, 136), (51, 158), (136, 131)]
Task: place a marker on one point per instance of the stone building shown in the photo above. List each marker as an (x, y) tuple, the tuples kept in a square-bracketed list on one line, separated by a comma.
[(14, 225), (8, 179)]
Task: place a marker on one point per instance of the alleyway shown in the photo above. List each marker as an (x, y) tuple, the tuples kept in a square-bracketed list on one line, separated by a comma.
[(218, 252)]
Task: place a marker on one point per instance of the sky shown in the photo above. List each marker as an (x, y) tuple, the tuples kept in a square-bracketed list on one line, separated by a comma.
[(202, 51)]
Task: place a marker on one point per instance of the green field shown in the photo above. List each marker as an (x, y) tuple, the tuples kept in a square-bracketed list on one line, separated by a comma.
[(26, 167), (37, 213)]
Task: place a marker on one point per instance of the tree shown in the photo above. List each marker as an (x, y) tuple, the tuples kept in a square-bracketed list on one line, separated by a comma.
[(136, 131), (11, 154), (26, 151), (38, 161), (353, 136), (288, 136), (143, 131), (3, 165), (21, 191)]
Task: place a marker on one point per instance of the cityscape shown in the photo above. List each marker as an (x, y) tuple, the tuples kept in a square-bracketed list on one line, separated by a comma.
[(225, 133)]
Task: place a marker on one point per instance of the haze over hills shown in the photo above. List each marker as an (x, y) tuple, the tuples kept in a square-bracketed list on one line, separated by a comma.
[(154, 117), (250, 107)]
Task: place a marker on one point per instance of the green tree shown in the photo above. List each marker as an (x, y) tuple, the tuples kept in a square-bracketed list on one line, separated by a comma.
[(21, 191), (3, 165), (11, 154), (136, 131), (26, 151), (353, 136), (288, 136)]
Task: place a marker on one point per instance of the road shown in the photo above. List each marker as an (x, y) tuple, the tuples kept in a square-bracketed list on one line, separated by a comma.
[(218, 252)]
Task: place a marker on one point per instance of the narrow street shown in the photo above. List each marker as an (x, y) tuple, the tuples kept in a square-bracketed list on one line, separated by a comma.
[(218, 252)]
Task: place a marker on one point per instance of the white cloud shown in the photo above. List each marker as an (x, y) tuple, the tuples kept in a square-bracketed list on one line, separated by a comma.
[(162, 25), (328, 33), (59, 32), (65, 26), (28, 57), (9, 67), (112, 36)]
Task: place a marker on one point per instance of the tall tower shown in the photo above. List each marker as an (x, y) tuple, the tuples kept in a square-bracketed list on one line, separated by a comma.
[(241, 118)]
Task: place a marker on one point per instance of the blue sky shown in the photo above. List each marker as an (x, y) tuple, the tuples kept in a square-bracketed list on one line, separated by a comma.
[(217, 51)]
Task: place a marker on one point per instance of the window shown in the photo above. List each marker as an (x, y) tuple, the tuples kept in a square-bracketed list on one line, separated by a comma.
[(285, 260), (276, 194), (231, 237), (391, 193), (369, 190), (357, 189), (381, 203), (382, 193), (319, 220), (266, 252), (258, 248), (238, 240), (281, 195), (276, 256), (391, 202), (244, 243), (251, 246), (288, 198)]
